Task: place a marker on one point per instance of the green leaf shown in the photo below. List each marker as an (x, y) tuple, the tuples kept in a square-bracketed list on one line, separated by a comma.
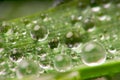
[(60, 29)]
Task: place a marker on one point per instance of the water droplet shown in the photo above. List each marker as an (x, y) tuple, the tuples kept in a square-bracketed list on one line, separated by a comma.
[(27, 67), (77, 48), (1, 50), (25, 21), (75, 19), (93, 54), (118, 5), (39, 33), (44, 61), (108, 5), (115, 37), (102, 37), (105, 18), (101, 78), (5, 26), (62, 62), (46, 19), (112, 50), (35, 21), (72, 37), (2, 70), (16, 55), (53, 43), (82, 5), (92, 29), (96, 9), (69, 34), (9, 32), (88, 23)]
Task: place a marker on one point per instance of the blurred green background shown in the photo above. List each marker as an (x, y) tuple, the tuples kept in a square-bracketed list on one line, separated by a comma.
[(10, 9)]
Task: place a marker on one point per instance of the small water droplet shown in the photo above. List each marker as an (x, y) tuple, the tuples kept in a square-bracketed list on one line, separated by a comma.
[(104, 18), (62, 62), (72, 37), (77, 48), (93, 54), (118, 5), (82, 5), (9, 32), (1, 50), (44, 61), (16, 55), (88, 23), (112, 50), (102, 37), (25, 21), (35, 21), (115, 37), (39, 33), (92, 29), (5, 26), (96, 9), (69, 34), (47, 19), (53, 43), (75, 19), (108, 5), (101, 78)]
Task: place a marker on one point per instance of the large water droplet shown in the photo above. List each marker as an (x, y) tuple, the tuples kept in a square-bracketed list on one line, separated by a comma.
[(62, 62), (93, 54), (39, 33)]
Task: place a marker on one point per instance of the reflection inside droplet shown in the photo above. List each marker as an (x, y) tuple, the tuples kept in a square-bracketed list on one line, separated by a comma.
[(62, 62), (93, 54), (39, 33)]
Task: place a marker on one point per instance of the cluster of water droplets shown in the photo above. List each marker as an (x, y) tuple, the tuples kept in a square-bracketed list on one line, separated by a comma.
[(38, 59)]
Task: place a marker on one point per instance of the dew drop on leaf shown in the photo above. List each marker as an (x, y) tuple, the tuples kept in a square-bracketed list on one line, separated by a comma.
[(62, 62), (39, 33), (27, 67), (93, 54), (89, 23), (16, 55)]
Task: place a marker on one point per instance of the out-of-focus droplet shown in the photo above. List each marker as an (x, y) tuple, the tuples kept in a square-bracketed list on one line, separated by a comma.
[(89, 23), (93, 54), (1, 50), (104, 18), (108, 5), (96, 9), (27, 67), (62, 62), (100, 78)]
